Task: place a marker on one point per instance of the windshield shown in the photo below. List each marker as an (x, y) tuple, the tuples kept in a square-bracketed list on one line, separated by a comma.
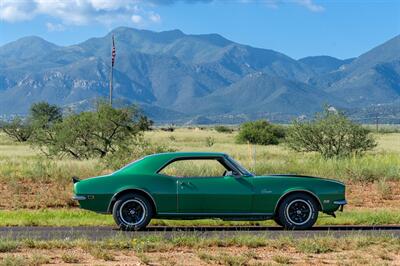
[(243, 170)]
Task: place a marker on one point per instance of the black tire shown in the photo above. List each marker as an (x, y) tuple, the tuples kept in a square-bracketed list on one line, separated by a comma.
[(277, 221), (132, 212), (298, 211)]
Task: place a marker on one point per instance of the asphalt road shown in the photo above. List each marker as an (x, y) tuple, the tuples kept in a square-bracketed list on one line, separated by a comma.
[(98, 233)]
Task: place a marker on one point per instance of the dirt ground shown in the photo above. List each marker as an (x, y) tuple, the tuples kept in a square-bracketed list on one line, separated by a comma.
[(372, 195), (210, 256)]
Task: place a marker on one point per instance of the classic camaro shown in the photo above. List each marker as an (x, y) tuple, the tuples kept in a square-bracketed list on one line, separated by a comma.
[(194, 185)]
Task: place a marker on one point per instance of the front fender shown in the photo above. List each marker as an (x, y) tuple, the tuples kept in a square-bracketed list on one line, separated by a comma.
[(299, 189)]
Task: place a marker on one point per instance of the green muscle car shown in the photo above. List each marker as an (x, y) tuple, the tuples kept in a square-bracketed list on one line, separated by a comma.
[(193, 185)]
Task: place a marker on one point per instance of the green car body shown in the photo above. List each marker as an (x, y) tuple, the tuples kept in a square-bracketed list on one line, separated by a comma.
[(237, 196)]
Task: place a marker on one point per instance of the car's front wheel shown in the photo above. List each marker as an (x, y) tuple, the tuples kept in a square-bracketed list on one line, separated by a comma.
[(132, 212), (298, 211), (277, 221)]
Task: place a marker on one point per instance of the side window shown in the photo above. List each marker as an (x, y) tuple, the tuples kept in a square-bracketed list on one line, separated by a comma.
[(195, 168)]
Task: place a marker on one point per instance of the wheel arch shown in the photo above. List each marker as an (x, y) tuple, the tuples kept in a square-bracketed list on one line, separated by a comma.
[(136, 191), (300, 191)]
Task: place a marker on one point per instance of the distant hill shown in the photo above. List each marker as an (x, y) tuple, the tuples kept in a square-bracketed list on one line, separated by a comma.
[(372, 78), (177, 77), (324, 64), (262, 93)]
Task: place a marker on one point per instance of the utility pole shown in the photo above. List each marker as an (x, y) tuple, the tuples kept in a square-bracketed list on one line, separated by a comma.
[(254, 158)]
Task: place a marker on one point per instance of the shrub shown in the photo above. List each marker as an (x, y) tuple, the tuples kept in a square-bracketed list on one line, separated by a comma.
[(18, 129), (331, 134), (384, 189), (145, 124), (260, 132), (13, 260), (168, 129), (223, 129), (281, 259), (70, 258), (210, 141)]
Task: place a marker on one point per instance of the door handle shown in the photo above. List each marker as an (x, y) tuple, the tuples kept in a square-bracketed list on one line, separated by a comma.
[(185, 184)]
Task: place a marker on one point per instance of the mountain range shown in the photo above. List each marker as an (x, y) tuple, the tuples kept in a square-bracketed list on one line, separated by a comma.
[(183, 78)]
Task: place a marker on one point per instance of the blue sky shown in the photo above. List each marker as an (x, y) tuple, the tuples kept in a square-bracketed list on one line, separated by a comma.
[(297, 28)]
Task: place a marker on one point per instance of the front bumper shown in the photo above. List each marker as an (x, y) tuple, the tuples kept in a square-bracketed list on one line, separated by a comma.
[(79, 198), (341, 203)]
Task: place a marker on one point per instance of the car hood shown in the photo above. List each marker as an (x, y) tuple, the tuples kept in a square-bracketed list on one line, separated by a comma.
[(307, 176)]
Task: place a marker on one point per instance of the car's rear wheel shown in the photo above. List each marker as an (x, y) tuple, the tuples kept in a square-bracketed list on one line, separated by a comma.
[(298, 211), (132, 212)]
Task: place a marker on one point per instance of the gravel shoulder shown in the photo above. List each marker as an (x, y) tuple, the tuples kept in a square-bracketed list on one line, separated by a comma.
[(100, 233)]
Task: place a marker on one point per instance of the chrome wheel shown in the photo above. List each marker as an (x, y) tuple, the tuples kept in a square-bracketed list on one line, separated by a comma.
[(132, 212), (298, 212)]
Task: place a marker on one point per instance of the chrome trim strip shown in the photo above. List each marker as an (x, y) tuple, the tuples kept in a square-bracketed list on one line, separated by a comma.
[(212, 157), (334, 181), (298, 190), (79, 198), (340, 202), (214, 213)]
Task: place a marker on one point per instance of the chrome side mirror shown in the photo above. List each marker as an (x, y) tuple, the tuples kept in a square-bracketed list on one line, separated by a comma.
[(229, 173), (232, 174)]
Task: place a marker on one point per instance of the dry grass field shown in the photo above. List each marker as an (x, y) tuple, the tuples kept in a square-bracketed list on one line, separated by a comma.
[(33, 188)]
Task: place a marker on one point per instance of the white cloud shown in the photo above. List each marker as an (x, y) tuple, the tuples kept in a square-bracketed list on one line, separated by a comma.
[(154, 17), (55, 26), (79, 12), (310, 5), (109, 12), (136, 19), (16, 10), (107, 4)]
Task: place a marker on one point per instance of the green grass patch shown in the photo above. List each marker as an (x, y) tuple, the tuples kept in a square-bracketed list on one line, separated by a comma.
[(77, 217), (53, 217)]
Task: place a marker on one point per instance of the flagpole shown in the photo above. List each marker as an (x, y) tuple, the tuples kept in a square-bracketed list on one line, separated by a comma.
[(111, 84), (112, 68)]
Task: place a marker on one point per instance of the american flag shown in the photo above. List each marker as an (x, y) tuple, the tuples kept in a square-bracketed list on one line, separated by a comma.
[(113, 52)]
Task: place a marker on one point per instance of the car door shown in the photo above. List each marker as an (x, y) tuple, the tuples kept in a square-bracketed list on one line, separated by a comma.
[(215, 194), (207, 185)]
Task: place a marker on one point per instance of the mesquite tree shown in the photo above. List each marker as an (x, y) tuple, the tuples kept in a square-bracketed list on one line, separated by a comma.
[(17, 129), (89, 134), (331, 134)]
